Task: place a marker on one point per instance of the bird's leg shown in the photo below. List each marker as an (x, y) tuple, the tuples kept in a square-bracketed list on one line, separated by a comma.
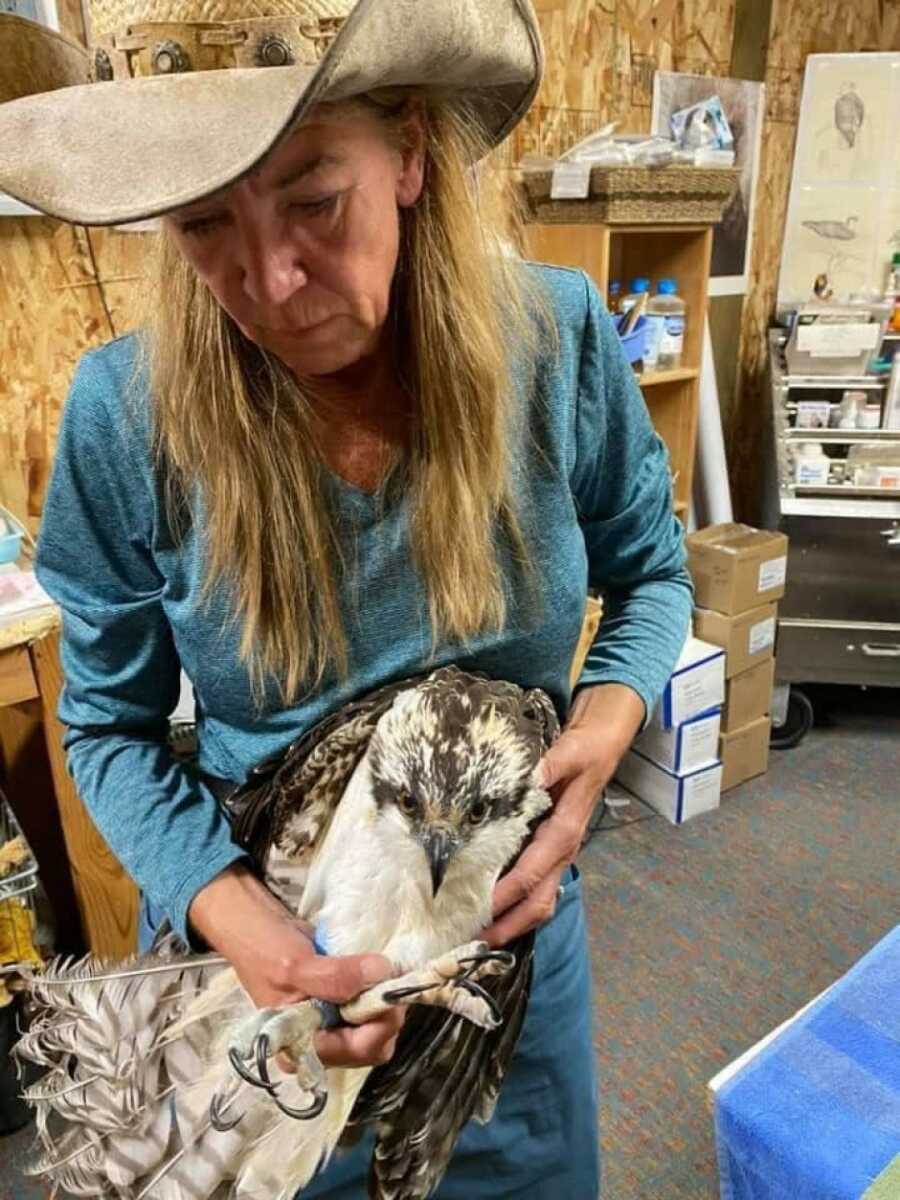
[(450, 981), (286, 1031)]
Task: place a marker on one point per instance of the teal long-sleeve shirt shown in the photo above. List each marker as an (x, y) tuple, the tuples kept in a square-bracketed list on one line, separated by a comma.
[(592, 482)]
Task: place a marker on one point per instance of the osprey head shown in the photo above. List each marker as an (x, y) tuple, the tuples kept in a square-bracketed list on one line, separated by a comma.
[(452, 763)]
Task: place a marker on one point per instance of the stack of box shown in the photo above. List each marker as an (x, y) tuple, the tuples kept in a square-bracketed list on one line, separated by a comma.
[(674, 765), (739, 574)]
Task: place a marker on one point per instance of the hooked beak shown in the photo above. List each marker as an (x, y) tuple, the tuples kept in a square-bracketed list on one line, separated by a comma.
[(438, 847)]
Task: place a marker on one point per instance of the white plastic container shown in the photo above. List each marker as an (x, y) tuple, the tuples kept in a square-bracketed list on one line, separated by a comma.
[(667, 314), (811, 466)]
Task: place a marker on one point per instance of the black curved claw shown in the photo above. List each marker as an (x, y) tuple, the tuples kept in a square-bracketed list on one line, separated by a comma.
[(219, 1123), (320, 1099), (404, 993), (475, 989), (238, 1063), (261, 1045), (499, 956)]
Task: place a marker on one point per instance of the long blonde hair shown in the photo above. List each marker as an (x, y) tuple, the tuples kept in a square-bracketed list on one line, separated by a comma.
[(234, 428)]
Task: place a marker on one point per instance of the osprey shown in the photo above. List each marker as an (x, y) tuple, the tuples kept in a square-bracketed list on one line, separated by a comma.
[(386, 828)]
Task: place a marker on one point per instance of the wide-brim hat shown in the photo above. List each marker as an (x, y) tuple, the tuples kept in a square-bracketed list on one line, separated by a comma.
[(175, 99)]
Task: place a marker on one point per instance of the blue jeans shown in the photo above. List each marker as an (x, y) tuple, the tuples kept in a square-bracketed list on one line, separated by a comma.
[(542, 1143)]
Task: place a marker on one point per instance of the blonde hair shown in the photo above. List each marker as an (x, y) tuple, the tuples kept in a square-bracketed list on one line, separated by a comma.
[(234, 428)]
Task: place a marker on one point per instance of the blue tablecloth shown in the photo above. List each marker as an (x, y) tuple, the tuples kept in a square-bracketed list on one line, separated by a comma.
[(815, 1115)]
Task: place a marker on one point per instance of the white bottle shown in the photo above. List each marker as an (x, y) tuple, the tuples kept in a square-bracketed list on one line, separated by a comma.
[(666, 314), (811, 466)]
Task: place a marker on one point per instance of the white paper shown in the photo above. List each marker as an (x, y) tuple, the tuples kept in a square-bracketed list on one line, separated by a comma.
[(762, 635), (823, 340), (571, 181), (699, 745), (698, 690), (701, 793), (772, 574)]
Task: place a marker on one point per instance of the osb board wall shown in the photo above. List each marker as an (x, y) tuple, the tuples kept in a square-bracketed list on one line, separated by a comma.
[(51, 311), (798, 28), (601, 57)]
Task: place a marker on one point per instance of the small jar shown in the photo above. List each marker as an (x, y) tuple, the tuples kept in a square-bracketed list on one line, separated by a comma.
[(869, 417), (811, 466)]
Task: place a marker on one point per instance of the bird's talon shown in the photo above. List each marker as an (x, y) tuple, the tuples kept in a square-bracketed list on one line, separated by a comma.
[(262, 1056), (398, 995), (320, 1099), (248, 1077), (219, 1123), (475, 989), (503, 957)]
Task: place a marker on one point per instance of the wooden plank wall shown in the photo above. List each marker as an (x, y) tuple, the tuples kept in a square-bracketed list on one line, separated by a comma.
[(798, 28)]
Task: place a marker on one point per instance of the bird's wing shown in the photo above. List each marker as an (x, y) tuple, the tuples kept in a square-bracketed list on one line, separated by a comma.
[(444, 1073)]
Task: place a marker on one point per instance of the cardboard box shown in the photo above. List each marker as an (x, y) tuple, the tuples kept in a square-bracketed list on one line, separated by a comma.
[(748, 696), (745, 753), (747, 639), (685, 749), (697, 685), (736, 567), (676, 797)]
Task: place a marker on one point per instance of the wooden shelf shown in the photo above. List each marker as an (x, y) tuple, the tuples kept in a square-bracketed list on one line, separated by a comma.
[(678, 375), (623, 252)]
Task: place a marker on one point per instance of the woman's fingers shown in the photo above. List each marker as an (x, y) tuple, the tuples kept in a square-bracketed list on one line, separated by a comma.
[(342, 978), (370, 1044), (536, 909), (555, 843)]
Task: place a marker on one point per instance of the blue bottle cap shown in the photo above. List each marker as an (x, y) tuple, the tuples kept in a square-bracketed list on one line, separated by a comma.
[(667, 287), (640, 285), (615, 287)]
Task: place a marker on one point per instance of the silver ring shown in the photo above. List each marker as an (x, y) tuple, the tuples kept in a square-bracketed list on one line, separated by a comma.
[(559, 891)]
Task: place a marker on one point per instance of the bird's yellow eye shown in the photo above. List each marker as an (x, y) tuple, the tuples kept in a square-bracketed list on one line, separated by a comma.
[(478, 812), (407, 804)]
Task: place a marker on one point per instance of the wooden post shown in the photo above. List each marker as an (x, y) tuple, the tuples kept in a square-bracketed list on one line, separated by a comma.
[(107, 898)]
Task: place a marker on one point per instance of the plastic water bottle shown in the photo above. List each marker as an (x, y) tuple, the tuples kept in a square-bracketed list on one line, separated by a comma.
[(639, 287), (666, 315)]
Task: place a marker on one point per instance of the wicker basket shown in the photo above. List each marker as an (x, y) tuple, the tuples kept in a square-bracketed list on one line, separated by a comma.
[(635, 196)]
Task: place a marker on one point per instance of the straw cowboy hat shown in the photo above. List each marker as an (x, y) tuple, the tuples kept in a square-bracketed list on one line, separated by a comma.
[(178, 98)]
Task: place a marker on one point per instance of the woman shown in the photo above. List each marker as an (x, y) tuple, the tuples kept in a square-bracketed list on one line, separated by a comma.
[(357, 441)]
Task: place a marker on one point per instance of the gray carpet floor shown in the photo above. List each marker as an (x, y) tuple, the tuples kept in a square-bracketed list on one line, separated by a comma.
[(706, 937)]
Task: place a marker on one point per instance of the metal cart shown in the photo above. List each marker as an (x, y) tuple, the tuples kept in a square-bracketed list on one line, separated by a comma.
[(839, 621), (19, 954)]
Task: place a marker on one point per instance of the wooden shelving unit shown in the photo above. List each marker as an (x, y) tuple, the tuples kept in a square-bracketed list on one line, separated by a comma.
[(680, 252)]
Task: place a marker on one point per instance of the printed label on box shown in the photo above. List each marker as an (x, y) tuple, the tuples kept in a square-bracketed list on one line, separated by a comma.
[(700, 742), (762, 635), (772, 574), (570, 181), (695, 692), (701, 793)]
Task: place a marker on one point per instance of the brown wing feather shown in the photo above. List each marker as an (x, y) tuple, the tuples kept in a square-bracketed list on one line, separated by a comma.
[(444, 1073)]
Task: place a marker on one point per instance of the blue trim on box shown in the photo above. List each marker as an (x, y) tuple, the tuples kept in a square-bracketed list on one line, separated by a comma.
[(698, 771), (700, 662)]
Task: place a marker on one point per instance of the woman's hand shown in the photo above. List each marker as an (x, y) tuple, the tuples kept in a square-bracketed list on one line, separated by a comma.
[(576, 768), (274, 957)]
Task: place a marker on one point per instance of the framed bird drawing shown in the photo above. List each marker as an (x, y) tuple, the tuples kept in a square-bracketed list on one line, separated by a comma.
[(385, 828)]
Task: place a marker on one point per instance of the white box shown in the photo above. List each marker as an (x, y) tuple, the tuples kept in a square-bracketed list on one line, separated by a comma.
[(697, 685), (676, 797), (685, 749)]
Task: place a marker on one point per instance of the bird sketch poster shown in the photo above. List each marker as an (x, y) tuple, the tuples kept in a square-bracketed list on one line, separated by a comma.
[(843, 222), (743, 103)]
